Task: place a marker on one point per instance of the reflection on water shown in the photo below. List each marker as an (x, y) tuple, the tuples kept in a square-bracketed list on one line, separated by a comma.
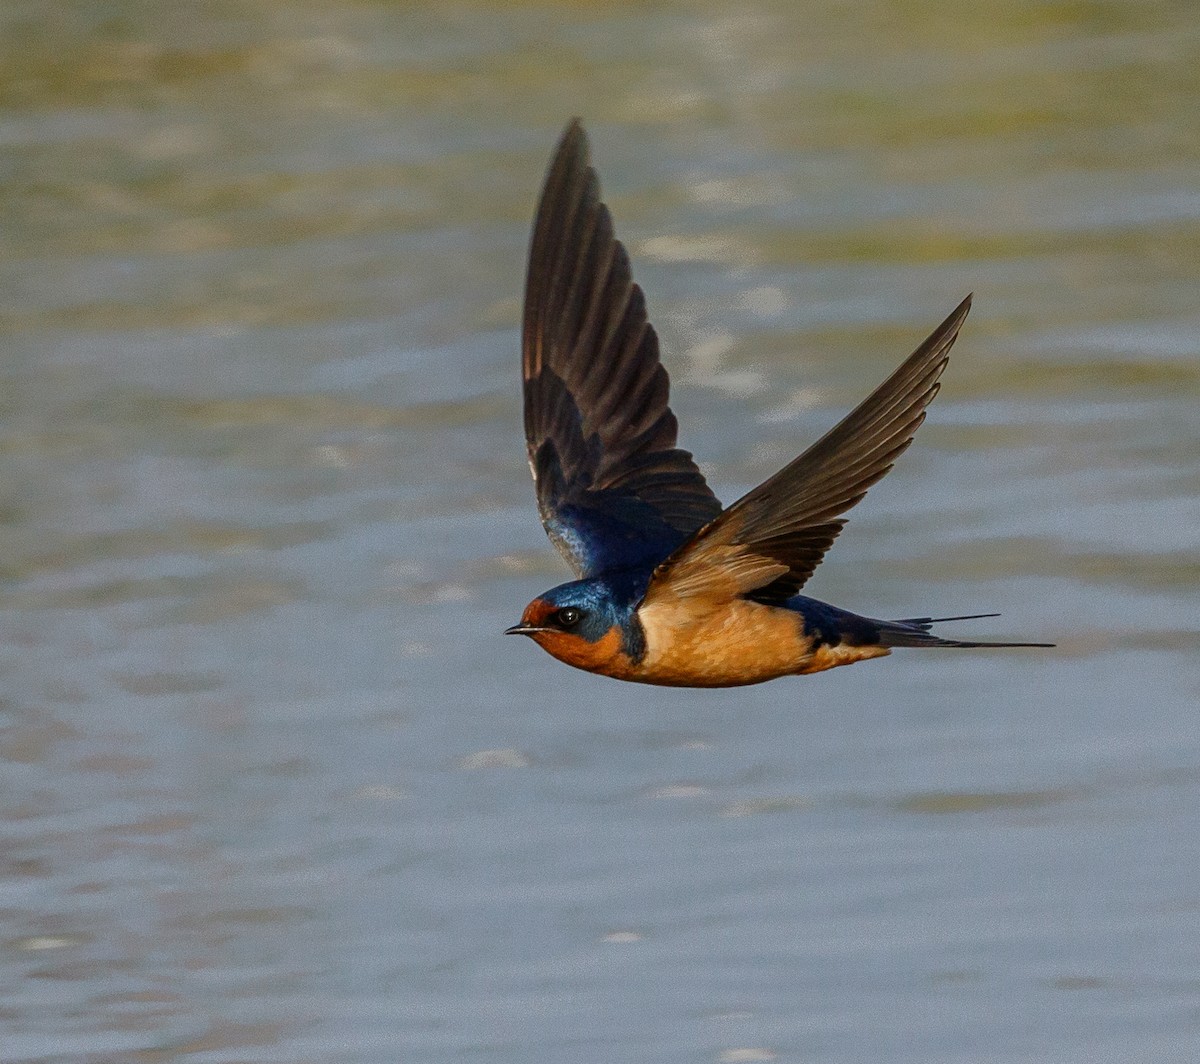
[(275, 787)]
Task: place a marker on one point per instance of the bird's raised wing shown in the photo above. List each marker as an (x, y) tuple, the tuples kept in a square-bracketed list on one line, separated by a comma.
[(767, 544), (613, 490)]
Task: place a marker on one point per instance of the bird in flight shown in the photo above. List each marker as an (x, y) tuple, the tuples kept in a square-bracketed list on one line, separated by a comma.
[(673, 588)]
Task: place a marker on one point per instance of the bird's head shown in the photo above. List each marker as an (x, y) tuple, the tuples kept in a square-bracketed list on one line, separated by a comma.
[(582, 623)]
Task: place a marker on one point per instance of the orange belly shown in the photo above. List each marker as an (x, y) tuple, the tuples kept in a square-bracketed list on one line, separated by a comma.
[(742, 642)]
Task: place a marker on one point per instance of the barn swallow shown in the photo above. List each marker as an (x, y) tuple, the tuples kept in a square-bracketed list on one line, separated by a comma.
[(673, 588)]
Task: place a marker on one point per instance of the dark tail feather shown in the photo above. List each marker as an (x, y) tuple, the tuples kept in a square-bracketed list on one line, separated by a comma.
[(926, 622), (914, 632)]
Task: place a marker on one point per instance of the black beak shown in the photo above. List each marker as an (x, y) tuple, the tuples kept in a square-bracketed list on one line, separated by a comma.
[(523, 629)]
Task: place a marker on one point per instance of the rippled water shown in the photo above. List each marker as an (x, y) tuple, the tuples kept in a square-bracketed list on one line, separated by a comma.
[(275, 787)]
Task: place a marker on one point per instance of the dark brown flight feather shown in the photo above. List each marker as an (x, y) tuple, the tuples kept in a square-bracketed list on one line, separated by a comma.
[(612, 486), (773, 538)]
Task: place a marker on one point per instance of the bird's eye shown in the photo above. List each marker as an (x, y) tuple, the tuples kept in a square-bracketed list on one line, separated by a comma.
[(568, 617)]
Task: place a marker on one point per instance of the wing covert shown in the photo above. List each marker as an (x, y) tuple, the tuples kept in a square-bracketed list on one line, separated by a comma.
[(613, 489)]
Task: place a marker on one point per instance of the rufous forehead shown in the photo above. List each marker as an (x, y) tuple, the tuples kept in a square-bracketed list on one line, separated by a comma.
[(538, 612)]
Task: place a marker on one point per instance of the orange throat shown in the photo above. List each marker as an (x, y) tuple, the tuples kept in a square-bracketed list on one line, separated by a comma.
[(606, 656)]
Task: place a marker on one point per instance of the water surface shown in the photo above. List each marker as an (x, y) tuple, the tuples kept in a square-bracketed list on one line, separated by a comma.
[(276, 789)]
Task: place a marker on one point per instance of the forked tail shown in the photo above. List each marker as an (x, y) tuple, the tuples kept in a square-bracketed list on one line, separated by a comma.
[(915, 632)]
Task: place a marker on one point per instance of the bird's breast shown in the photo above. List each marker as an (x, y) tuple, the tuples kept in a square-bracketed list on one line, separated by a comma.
[(739, 642)]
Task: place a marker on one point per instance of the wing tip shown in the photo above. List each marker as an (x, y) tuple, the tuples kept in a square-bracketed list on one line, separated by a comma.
[(572, 155), (942, 338), (947, 332), (574, 139)]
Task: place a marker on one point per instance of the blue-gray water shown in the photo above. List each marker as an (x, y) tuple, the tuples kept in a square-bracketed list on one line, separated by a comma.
[(275, 788)]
